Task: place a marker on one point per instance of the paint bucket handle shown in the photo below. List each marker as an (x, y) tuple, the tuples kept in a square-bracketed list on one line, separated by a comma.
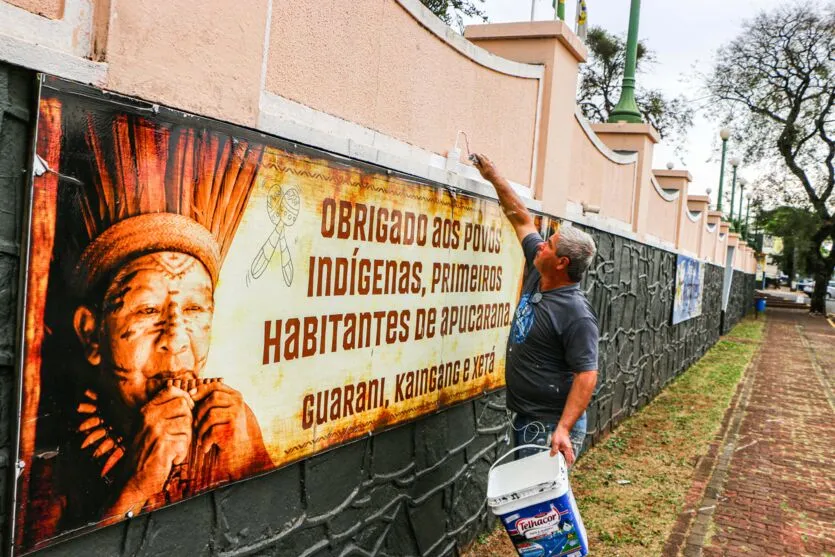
[(528, 446)]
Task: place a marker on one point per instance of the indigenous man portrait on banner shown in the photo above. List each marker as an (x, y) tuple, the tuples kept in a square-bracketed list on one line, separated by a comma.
[(145, 213), (204, 303)]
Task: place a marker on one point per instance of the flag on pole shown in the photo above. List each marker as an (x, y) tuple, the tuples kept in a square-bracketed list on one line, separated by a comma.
[(582, 19), (559, 9)]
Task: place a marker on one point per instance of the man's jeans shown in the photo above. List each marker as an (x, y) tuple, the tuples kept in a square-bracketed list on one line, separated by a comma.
[(528, 430)]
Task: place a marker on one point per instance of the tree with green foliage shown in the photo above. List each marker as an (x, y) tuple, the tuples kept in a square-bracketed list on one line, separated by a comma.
[(600, 83), (452, 12), (796, 227), (775, 84)]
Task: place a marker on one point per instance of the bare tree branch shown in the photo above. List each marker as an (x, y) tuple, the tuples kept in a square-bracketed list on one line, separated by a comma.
[(775, 83)]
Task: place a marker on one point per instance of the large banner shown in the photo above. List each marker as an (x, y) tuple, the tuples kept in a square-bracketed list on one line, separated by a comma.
[(205, 304), (690, 276)]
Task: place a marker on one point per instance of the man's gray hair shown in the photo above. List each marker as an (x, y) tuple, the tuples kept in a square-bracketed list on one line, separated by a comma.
[(579, 248)]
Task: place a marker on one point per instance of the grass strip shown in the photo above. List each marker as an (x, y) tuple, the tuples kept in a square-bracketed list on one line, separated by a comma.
[(655, 451)]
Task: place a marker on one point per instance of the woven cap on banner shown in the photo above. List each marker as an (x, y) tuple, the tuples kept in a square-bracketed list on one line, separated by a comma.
[(159, 187)]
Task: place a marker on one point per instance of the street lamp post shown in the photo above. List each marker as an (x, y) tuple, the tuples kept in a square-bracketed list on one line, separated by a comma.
[(734, 163), (747, 214), (724, 134), (627, 109), (742, 183)]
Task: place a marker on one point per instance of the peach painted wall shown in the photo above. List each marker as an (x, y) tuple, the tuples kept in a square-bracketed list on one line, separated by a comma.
[(721, 246), (698, 204), (53, 9), (385, 70), (554, 45), (204, 59), (597, 179), (638, 138), (663, 206), (743, 261), (370, 62), (711, 236), (741, 255), (733, 242), (690, 231), (675, 181), (373, 63)]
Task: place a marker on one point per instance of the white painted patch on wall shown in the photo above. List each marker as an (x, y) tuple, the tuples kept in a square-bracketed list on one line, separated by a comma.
[(297, 122), (56, 46), (55, 62), (70, 34)]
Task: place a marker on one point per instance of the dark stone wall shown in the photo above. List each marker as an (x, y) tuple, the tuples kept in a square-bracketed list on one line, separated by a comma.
[(414, 490), (16, 123), (740, 300), (417, 489), (631, 286)]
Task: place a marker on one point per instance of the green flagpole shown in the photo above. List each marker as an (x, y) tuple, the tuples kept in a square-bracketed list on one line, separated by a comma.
[(559, 7), (627, 109)]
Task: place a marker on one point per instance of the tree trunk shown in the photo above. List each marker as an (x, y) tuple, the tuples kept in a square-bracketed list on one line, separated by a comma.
[(822, 267)]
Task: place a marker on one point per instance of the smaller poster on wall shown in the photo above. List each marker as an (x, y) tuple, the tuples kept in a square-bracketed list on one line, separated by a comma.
[(690, 274)]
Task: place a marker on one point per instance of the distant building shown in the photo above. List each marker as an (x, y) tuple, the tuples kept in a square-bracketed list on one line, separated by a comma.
[(772, 246)]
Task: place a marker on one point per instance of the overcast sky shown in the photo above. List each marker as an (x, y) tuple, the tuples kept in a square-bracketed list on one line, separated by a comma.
[(684, 35)]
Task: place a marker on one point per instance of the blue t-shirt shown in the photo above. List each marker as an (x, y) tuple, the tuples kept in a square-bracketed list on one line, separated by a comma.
[(553, 335)]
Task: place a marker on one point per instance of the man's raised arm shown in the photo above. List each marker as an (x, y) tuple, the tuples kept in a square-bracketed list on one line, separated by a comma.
[(512, 205)]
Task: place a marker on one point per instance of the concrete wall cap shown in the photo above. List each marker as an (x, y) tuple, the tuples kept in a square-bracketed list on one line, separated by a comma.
[(487, 59), (558, 30), (664, 173), (627, 128), (614, 156)]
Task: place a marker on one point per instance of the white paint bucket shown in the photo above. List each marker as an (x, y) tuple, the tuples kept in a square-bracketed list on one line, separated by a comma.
[(533, 499)]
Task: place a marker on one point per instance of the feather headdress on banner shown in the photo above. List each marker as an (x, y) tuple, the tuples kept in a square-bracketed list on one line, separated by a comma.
[(160, 187)]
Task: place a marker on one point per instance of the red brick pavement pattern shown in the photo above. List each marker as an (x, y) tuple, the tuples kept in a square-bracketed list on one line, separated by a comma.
[(779, 496)]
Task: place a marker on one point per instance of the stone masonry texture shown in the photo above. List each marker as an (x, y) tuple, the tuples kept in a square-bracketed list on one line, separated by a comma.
[(417, 489), (740, 301), (16, 123)]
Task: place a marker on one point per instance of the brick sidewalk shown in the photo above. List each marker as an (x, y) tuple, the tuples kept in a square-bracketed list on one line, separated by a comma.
[(775, 487)]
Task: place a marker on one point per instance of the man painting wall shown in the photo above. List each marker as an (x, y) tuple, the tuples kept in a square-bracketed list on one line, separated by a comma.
[(551, 369)]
